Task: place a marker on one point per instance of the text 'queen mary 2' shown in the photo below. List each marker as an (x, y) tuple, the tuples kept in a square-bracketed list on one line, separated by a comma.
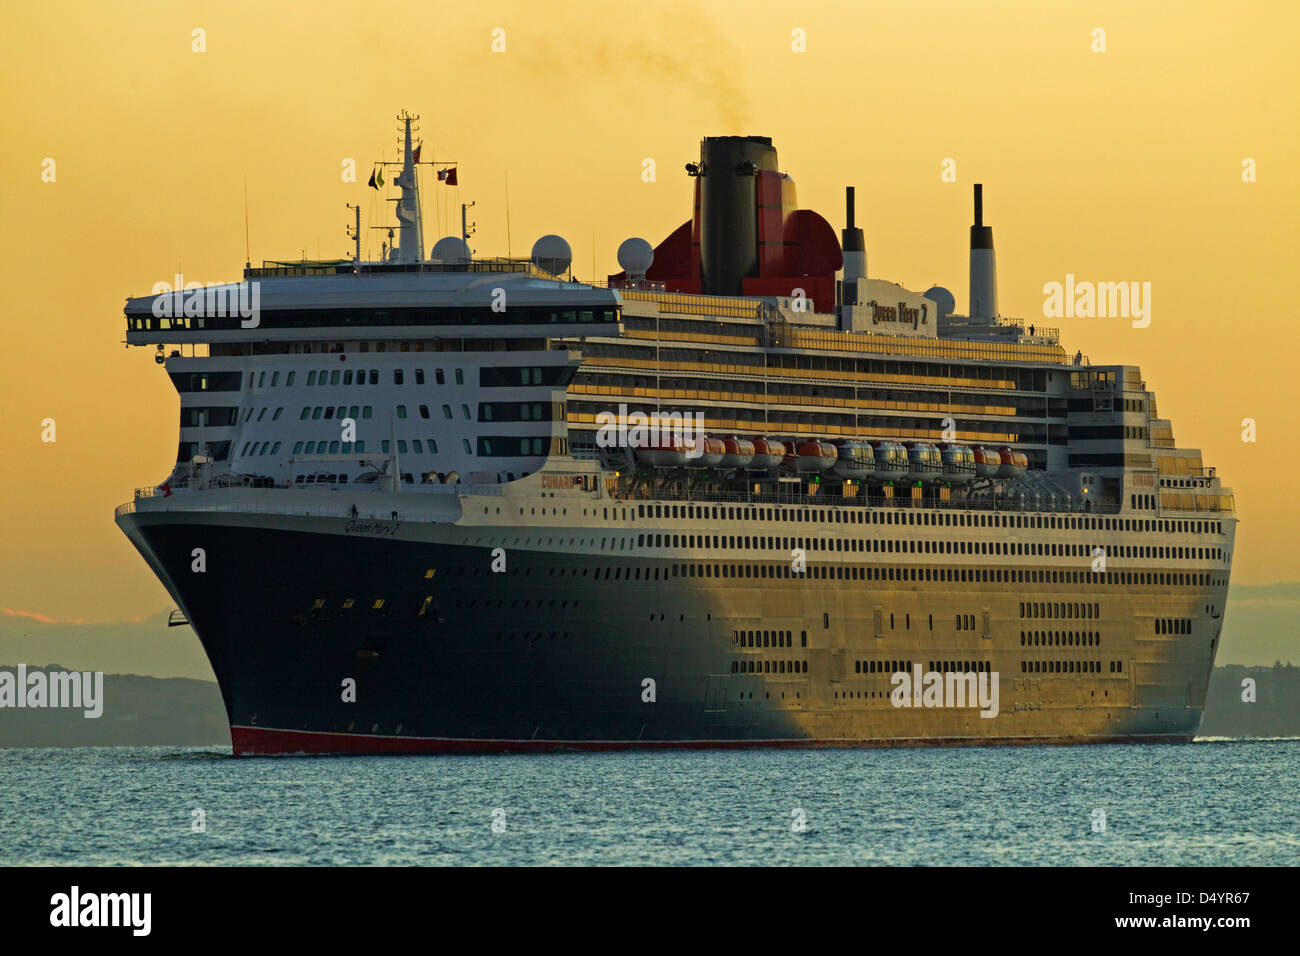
[(740, 494)]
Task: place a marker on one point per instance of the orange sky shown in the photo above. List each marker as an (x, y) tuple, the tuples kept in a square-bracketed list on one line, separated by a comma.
[(1123, 165)]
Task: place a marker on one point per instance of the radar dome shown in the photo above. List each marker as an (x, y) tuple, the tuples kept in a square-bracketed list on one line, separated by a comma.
[(552, 254), (942, 299), (635, 255), (450, 249)]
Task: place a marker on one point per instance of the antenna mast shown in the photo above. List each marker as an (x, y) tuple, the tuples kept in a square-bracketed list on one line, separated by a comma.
[(465, 228), (356, 237)]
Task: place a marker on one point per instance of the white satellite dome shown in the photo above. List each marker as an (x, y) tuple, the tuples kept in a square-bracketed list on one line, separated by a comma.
[(450, 249), (552, 254), (635, 255), (942, 299)]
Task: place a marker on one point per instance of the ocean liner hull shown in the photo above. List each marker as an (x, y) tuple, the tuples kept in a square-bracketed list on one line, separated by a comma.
[(447, 655)]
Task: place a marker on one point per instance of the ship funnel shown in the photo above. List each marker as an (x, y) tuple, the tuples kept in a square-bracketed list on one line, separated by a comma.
[(855, 249), (728, 176), (983, 264)]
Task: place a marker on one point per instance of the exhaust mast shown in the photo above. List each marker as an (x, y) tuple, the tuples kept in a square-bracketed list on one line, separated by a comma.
[(983, 265)]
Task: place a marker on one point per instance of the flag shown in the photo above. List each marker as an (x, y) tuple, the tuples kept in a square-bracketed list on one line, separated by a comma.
[(372, 180), (415, 156), (166, 489), (447, 176), (379, 177)]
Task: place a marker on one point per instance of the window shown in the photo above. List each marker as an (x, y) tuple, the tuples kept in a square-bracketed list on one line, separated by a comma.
[(262, 413), (297, 447), (305, 412), (366, 410), (310, 449), (398, 377), (334, 377), (401, 411), (446, 411), (419, 376), (437, 375), (275, 377), (276, 416), (289, 379), (460, 376), (347, 378), (424, 411), (334, 448), (315, 412), (275, 449), (401, 446), (385, 445), (465, 442), (419, 448), (465, 411), (374, 376), (433, 447)]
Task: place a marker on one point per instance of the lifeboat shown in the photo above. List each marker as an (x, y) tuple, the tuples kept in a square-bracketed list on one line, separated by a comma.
[(987, 462), (1013, 463), (663, 452), (856, 460), (891, 459), (958, 463), (768, 453), (816, 456), (924, 462), (737, 452), (704, 452)]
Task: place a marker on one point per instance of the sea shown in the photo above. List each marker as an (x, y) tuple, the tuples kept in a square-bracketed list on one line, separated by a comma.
[(1209, 803)]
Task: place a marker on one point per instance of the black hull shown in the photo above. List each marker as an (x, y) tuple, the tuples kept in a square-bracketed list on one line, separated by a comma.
[(545, 657)]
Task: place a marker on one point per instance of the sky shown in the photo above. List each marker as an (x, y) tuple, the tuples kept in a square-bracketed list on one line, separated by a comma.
[(1117, 165)]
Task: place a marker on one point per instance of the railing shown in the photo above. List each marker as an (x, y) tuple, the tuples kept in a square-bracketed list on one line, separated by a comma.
[(272, 268), (990, 503)]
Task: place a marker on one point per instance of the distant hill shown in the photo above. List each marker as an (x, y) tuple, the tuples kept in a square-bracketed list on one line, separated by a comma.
[(138, 712), (1274, 713)]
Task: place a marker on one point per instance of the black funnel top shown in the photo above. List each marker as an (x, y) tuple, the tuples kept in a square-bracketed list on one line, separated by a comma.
[(729, 209), (851, 238), (981, 236)]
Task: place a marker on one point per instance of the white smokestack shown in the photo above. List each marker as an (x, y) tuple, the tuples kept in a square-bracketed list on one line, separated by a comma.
[(983, 264)]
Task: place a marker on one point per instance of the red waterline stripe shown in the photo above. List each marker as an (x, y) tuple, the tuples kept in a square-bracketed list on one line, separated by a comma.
[(261, 741)]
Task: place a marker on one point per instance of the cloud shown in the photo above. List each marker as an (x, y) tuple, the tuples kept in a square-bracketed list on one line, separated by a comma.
[(41, 618)]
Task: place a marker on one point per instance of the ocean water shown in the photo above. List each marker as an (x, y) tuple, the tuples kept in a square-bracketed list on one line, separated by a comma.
[(1207, 803)]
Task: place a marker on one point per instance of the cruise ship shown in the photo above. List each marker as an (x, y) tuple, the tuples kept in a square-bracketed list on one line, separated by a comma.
[(740, 494)]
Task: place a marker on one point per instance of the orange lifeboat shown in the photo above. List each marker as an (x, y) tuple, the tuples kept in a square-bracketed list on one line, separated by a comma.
[(987, 463), (704, 452), (664, 452), (816, 456), (1012, 464), (737, 452), (768, 453)]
